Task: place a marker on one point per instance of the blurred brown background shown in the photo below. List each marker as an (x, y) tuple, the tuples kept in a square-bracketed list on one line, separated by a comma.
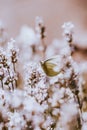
[(15, 13)]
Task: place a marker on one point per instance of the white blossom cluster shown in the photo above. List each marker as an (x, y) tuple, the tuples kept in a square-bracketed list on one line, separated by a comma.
[(8, 60), (36, 82)]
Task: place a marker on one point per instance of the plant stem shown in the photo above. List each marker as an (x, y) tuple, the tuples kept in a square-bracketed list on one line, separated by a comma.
[(10, 77), (44, 48), (2, 84), (80, 109), (15, 72)]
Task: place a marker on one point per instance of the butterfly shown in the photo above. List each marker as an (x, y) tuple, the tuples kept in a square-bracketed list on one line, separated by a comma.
[(50, 66)]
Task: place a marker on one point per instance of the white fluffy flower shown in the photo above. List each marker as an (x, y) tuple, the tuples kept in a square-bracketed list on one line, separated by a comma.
[(28, 36), (68, 26)]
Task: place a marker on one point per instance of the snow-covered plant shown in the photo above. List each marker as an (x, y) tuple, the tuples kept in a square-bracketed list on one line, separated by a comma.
[(68, 31), (51, 95), (8, 74)]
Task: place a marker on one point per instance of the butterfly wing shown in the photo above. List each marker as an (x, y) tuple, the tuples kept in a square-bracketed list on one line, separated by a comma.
[(50, 69), (49, 66)]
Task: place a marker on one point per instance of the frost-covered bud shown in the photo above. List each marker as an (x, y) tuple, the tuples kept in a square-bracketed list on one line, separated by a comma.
[(13, 50), (8, 80), (4, 61), (68, 31), (3, 58), (40, 28), (13, 57)]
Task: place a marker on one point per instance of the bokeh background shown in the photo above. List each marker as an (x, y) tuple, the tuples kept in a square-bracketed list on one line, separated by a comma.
[(16, 13)]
